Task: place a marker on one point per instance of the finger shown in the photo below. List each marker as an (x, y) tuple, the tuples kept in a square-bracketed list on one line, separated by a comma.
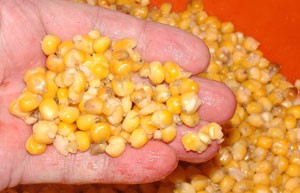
[(191, 156), (155, 41), (150, 163), (218, 101)]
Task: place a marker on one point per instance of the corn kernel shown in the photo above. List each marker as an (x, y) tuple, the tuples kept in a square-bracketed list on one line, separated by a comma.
[(138, 138), (35, 148), (50, 44), (100, 132)]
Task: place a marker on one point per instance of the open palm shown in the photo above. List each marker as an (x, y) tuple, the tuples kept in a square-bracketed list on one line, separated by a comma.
[(22, 26)]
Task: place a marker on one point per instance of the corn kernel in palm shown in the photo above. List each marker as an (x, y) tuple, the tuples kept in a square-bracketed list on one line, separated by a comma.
[(37, 83), (93, 106), (65, 129), (138, 138), (50, 43), (48, 109), (122, 85), (44, 132), (161, 93), (82, 140), (85, 122), (162, 119), (124, 44), (190, 120), (121, 67), (101, 44), (116, 146), (68, 114), (173, 72), (100, 132), (157, 73), (131, 121), (33, 147), (28, 101)]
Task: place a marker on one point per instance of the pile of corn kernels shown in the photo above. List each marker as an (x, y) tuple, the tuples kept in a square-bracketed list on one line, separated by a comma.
[(98, 95), (261, 148)]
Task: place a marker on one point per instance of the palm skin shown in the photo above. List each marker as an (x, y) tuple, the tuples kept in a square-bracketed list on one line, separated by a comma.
[(22, 26)]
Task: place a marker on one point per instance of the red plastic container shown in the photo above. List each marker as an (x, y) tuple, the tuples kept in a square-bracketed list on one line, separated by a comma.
[(274, 23)]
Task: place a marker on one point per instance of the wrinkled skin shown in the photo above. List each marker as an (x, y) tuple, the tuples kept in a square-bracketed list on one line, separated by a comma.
[(23, 23)]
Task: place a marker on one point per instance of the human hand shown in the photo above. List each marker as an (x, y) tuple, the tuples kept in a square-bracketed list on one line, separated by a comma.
[(22, 26)]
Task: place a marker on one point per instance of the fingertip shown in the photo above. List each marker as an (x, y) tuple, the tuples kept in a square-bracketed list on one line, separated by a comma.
[(218, 100), (166, 43)]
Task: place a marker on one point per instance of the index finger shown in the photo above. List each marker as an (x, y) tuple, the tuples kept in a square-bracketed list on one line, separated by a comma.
[(156, 42)]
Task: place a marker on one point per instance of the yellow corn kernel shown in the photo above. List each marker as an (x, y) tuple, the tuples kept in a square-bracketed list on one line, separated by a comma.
[(183, 85), (101, 44), (281, 163), (199, 182), (30, 72), (83, 140), (147, 125), (131, 121), (295, 111), (140, 12), (190, 120), (250, 44), (168, 134), (166, 8), (15, 110), (122, 85), (162, 119), (44, 132), (34, 147), (214, 130), (116, 146), (83, 43), (50, 44), (173, 72), (192, 142), (184, 187), (124, 44), (93, 106), (100, 132), (48, 109), (36, 83), (116, 117), (264, 167), (138, 138), (227, 184), (64, 47), (79, 82), (126, 104), (264, 142), (239, 151), (62, 95), (55, 63), (254, 107), (290, 122), (280, 147), (157, 73), (190, 102), (110, 105), (174, 104), (161, 93), (68, 114), (74, 57), (51, 89), (28, 101), (140, 98), (261, 178), (121, 67), (100, 71), (65, 129), (147, 87), (293, 170)]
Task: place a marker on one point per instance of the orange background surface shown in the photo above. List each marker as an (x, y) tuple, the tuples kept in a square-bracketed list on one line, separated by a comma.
[(274, 23)]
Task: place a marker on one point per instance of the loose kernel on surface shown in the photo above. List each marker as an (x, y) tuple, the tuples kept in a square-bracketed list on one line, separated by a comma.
[(50, 44)]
